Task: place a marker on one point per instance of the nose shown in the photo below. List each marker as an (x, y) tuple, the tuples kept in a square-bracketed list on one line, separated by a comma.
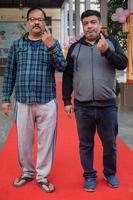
[(36, 21), (89, 25)]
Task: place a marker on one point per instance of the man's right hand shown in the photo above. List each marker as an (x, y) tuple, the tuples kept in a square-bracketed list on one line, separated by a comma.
[(69, 110), (6, 107)]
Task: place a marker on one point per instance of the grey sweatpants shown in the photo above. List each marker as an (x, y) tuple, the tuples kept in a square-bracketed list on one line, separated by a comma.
[(44, 117)]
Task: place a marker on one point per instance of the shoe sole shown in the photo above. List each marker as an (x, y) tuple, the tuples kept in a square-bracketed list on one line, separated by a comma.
[(89, 190)]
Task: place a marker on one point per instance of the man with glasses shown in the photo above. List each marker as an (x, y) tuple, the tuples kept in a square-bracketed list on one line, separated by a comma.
[(31, 65)]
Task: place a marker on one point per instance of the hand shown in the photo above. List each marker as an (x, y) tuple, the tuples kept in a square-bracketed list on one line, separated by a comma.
[(69, 110), (47, 38), (102, 45), (6, 107)]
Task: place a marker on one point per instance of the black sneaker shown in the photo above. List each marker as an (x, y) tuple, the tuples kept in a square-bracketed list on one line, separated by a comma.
[(90, 185), (112, 181)]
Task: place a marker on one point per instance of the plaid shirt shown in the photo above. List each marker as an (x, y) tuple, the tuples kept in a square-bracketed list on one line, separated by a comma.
[(31, 71)]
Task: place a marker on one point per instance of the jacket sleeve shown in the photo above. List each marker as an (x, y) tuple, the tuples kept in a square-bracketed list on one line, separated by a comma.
[(116, 58), (9, 76), (67, 85), (58, 60)]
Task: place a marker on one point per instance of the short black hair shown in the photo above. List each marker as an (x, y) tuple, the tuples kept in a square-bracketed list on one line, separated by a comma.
[(36, 8), (88, 13)]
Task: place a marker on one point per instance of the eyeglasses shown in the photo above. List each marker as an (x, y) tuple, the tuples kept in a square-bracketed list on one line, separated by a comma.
[(33, 19)]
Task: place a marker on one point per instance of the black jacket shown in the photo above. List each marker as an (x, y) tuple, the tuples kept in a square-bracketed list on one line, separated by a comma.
[(92, 75)]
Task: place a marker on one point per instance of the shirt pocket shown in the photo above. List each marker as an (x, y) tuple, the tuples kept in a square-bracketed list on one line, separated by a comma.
[(22, 56)]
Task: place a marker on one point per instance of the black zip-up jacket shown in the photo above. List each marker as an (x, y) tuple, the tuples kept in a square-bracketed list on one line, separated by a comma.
[(92, 75)]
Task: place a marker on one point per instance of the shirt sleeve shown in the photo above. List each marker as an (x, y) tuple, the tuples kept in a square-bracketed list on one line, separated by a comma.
[(67, 86), (9, 75), (116, 58), (58, 59)]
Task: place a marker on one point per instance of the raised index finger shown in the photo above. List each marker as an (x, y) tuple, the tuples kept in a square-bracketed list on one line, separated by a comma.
[(102, 36)]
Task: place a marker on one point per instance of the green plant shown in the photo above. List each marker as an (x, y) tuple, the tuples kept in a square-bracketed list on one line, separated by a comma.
[(115, 28)]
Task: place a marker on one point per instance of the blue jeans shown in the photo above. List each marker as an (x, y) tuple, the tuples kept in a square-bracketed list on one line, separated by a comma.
[(104, 120)]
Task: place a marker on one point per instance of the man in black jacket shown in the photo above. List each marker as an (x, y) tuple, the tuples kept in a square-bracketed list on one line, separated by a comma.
[(91, 74)]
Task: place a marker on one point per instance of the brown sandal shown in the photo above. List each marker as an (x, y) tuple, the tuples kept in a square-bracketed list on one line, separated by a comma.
[(46, 186), (20, 181)]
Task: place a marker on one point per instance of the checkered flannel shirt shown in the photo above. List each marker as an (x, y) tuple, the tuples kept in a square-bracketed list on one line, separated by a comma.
[(31, 71)]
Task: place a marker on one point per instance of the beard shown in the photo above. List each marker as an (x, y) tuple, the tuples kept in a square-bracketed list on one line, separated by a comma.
[(92, 36)]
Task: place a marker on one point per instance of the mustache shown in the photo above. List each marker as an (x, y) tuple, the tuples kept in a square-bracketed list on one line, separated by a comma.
[(36, 26)]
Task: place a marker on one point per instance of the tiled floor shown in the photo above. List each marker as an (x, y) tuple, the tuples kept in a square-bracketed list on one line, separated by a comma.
[(125, 124)]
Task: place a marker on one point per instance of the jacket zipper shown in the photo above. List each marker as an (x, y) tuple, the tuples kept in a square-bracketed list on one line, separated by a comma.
[(92, 73)]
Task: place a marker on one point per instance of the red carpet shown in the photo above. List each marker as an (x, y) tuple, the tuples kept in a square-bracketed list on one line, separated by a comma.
[(66, 172)]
